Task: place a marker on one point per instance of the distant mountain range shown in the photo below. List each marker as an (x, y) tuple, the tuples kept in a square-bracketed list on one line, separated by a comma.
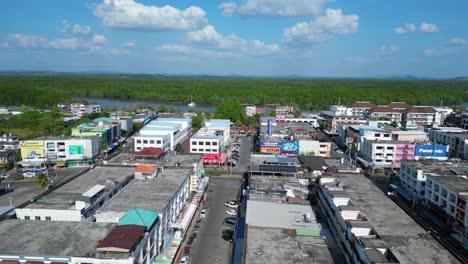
[(389, 77)]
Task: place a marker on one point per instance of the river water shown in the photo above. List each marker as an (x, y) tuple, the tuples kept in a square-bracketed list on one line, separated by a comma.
[(132, 105)]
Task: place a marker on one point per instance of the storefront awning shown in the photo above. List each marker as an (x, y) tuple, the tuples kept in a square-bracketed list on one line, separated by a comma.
[(188, 216)]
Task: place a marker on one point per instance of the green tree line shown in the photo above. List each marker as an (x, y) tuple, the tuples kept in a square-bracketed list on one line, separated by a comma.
[(308, 94)]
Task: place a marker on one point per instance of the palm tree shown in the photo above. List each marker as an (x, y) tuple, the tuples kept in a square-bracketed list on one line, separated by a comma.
[(42, 180)]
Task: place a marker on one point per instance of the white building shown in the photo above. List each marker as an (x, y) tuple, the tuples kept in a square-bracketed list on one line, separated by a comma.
[(9, 142), (456, 138), (164, 133), (81, 109), (441, 114), (341, 110), (212, 138), (450, 194), (80, 198), (250, 110)]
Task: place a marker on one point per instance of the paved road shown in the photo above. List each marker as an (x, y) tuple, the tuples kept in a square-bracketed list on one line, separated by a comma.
[(209, 247), (242, 163)]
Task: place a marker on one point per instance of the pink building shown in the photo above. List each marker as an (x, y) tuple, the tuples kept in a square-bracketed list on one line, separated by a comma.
[(403, 151)]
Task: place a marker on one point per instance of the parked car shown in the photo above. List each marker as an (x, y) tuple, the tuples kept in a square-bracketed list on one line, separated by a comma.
[(231, 212), (185, 260), (187, 249), (6, 176), (231, 204), (230, 220), (193, 236), (203, 213), (190, 242), (29, 174), (228, 234)]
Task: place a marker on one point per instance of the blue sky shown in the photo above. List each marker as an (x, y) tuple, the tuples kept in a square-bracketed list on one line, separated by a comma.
[(317, 38)]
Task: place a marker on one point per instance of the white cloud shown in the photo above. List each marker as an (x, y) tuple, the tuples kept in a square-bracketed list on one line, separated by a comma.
[(99, 39), (427, 27), (322, 28), (65, 26), (456, 42), (128, 14), (128, 44), (70, 43), (114, 51), (389, 50), (212, 38), (430, 52), (84, 30), (174, 49), (33, 41), (281, 8), (408, 28)]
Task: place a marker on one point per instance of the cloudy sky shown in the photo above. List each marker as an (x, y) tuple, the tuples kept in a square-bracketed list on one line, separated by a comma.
[(318, 38)]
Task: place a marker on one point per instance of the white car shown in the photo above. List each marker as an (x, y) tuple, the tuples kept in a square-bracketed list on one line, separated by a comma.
[(231, 204), (203, 213), (29, 174), (231, 212), (6, 176), (185, 260)]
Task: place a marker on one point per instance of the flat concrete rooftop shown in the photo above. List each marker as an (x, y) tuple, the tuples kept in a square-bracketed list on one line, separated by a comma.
[(153, 194), (185, 160), (268, 245), (454, 183), (396, 229), (51, 238), (440, 168), (65, 196)]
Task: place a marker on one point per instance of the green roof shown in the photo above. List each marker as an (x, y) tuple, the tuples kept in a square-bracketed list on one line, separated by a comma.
[(105, 119), (139, 216), (307, 232)]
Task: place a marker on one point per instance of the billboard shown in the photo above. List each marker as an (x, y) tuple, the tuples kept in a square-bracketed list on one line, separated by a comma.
[(270, 147), (75, 150), (32, 149), (290, 147), (431, 151)]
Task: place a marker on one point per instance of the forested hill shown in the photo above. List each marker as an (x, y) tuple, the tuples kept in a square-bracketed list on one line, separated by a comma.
[(309, 94)]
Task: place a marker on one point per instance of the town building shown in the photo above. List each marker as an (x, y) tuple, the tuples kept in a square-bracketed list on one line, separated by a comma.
[(441, 115), (268, 165), (283, 233), (9, 142), (284, 111), (386, 154), (385, 112), (60, 151), (126, 122), (333, 120), (419, 115), (164, 133), (167, 195), (78, 109), (449, 194), (193, 162), (370, 228), (250, 110), (360, 108), (212, 140), (413, 176), (456, 138), (79, 199), (108, 132)]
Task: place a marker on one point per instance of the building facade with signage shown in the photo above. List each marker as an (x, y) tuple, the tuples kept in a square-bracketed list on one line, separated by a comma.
[(212, 140), (59, 151)]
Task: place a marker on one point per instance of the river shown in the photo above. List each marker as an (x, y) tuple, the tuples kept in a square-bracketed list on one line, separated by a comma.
[(133, 104)]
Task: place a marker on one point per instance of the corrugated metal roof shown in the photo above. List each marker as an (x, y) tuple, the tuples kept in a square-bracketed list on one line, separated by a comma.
[(122, 238), (139, 216), (156, 152), (95, 189), (145, 168)]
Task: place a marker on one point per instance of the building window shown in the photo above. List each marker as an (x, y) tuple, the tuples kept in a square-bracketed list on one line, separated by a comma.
[(38, 218), (208, 143), (138, 141), (158, 142), (207, 150), (145, 141), (215, 143), (138, 148), (151, 141), (194, 150), (27, 217), (201, 150), (200, 143), (47, 218), (194, 143)]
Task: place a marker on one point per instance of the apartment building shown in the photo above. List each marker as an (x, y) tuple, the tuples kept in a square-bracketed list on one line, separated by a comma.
[(449, 193), (360, 108), (387, 112), (81, 109), (456, 138), (333, 120), (419, 116), (211, 140), (164, 133), (369, 228), (386, 154)]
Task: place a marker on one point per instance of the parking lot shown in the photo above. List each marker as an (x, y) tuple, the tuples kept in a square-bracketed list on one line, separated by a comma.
[(23, 190), (209, 246)]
